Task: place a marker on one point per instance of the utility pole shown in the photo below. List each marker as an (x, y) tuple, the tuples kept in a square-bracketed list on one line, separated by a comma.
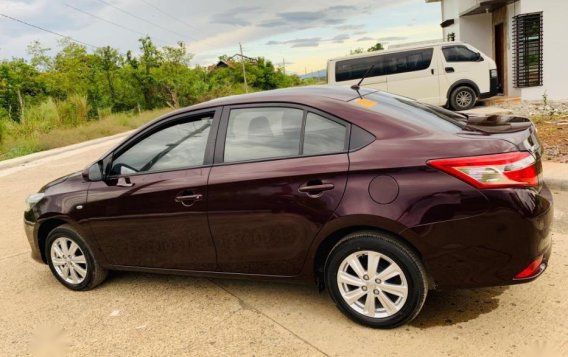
[(244, 71), (284, 65)]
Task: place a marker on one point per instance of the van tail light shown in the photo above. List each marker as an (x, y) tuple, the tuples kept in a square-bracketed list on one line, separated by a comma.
[(512, 169)]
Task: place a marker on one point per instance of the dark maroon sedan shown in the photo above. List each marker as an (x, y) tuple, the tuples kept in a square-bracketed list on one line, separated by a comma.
[(376, 197)]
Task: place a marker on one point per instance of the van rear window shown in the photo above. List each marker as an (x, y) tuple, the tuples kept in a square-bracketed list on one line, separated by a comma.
[(385, 64)]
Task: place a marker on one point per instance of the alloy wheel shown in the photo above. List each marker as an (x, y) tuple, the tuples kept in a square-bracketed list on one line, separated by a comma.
[(372, 284), (69, 261), (464, 98)]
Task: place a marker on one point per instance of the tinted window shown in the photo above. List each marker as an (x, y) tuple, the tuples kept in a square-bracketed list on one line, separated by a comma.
[(323, 136), (259, 133), (177, 146), (355, 68), (390, 63), (409, 61), (416, 113), (459, 54)]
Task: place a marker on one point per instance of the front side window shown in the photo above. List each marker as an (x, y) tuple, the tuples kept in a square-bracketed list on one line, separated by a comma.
[(459, 54), (177, 146), (261, 133)]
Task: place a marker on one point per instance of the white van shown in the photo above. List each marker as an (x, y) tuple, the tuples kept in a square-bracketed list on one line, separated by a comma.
[(452, 74)]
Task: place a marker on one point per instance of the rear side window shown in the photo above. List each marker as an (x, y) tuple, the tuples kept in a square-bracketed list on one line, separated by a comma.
[(390, 63), (409, 61), (278, 132), (355, 68), (459, 54), (260, 133), (323, 136)]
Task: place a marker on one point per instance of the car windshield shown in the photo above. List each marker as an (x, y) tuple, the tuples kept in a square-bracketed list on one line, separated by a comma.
[(415, 112)]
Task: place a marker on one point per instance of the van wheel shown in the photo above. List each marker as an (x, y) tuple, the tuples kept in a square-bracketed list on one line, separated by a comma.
[(375, 280), (462, 98)]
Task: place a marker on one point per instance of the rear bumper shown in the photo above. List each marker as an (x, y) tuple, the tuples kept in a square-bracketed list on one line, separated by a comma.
[(492, 248)]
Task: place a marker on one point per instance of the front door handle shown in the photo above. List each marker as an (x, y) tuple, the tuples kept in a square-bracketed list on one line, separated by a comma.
[(188, 198), (316, 189), (450, 70), (124, 182)]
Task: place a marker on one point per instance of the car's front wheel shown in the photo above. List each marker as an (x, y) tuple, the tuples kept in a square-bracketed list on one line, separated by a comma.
[(71, 260), (375, 280)]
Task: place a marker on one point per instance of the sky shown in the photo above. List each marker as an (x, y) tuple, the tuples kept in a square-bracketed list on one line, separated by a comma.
[(302, 34)]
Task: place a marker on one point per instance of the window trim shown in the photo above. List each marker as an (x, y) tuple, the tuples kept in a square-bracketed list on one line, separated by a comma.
[(224, 123), (161, 124)]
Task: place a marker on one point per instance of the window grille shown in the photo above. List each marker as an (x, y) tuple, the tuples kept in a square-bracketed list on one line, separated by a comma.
[(527, 50)]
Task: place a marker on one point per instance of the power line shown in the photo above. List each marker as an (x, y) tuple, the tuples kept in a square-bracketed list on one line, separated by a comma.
[(112, 23), (171, 16), (48, 31), (142, 19)]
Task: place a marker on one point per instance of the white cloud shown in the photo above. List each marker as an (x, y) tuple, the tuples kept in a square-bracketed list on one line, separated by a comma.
[(216, 27)]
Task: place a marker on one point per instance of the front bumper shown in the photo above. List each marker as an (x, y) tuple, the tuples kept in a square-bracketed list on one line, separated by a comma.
[(31, 234), (494, 88), (490, 249)]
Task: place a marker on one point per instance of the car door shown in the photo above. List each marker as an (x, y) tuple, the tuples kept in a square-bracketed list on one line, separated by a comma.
[(280, 172), (150, 211), (413, 74)]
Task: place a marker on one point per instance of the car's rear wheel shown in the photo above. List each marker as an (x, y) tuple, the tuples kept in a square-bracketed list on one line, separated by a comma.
[(375, 280), (463, 98), (71, 260)]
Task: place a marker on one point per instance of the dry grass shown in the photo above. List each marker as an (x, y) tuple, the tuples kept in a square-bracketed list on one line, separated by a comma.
[(49, 138)]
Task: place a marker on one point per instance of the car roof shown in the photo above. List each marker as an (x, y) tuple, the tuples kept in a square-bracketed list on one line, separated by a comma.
[(309, 95)]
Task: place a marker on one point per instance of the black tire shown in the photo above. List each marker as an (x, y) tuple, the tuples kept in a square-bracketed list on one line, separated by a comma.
[(391, 249), (94, 273), (463, 98)]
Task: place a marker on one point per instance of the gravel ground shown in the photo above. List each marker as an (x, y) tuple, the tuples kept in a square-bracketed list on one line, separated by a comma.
[(157, 315)]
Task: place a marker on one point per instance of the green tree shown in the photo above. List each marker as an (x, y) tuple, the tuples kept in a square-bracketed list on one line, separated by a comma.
[(376, 47)]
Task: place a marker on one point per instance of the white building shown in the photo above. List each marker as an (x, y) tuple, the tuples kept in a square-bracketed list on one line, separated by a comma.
[(527, 38)]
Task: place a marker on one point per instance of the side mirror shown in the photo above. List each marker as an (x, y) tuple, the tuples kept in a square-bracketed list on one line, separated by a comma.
[(94, 172), (479, 57)]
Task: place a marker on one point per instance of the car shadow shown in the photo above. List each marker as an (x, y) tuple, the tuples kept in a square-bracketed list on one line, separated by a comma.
[(442, 308), (450, 307)]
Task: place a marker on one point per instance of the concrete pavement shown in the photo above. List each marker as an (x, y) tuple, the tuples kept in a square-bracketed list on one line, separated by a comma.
[(155, 315)]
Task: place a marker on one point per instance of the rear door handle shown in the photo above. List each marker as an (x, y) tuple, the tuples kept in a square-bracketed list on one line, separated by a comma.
[(316, 189), (450, 70)]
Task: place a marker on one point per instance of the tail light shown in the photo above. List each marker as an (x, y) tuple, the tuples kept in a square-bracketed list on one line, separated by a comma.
[(513, 169), (532, 269)]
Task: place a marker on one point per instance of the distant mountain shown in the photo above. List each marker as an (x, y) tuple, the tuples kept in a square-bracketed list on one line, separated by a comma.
[(321, 74)]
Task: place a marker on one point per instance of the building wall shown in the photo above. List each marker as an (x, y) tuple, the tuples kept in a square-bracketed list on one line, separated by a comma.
[(450, 11), (555, 54), (477, 30)]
